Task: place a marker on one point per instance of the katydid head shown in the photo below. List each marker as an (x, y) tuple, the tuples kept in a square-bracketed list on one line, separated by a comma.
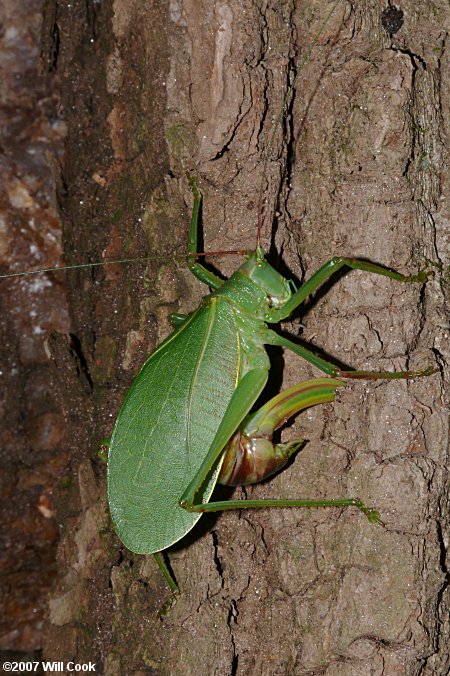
[(274, 285)]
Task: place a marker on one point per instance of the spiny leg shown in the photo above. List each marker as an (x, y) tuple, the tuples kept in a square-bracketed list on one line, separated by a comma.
[(204, 275), (250, 455), (332, 370), (175, 592), (326, 271), (319, 277), (372, 514)]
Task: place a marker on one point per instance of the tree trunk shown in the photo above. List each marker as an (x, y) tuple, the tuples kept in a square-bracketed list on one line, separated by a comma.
[(152, 93)]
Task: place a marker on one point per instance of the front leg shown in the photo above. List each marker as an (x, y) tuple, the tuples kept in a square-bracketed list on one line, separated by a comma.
[(309, 287), (328, 270), (198, 270)]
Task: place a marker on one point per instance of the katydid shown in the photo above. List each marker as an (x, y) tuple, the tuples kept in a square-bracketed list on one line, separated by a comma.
[(186, 423)]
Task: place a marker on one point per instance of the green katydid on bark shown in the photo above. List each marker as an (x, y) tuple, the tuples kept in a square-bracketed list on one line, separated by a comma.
[(185, 423)]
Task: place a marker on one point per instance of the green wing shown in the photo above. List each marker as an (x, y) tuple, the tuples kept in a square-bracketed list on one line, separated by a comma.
[(166, 426)]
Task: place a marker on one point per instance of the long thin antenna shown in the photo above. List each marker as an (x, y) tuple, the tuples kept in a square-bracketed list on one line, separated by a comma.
[(73, 267), (281, 115), (276, 126), (237, 252)]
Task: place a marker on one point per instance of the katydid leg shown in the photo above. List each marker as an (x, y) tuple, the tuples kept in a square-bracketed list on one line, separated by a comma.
[(258, 428), (175, 592), (372, 514), (332, 370), (166, 572), (198, 270), (327, 367), (326, 271), (243, 398), (251, 455)]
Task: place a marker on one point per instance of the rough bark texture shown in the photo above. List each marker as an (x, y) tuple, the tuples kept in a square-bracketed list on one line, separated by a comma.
[(33, 457), (152, 92)]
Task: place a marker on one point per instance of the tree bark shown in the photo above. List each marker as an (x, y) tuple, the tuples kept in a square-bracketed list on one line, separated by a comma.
[(153, 93)]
